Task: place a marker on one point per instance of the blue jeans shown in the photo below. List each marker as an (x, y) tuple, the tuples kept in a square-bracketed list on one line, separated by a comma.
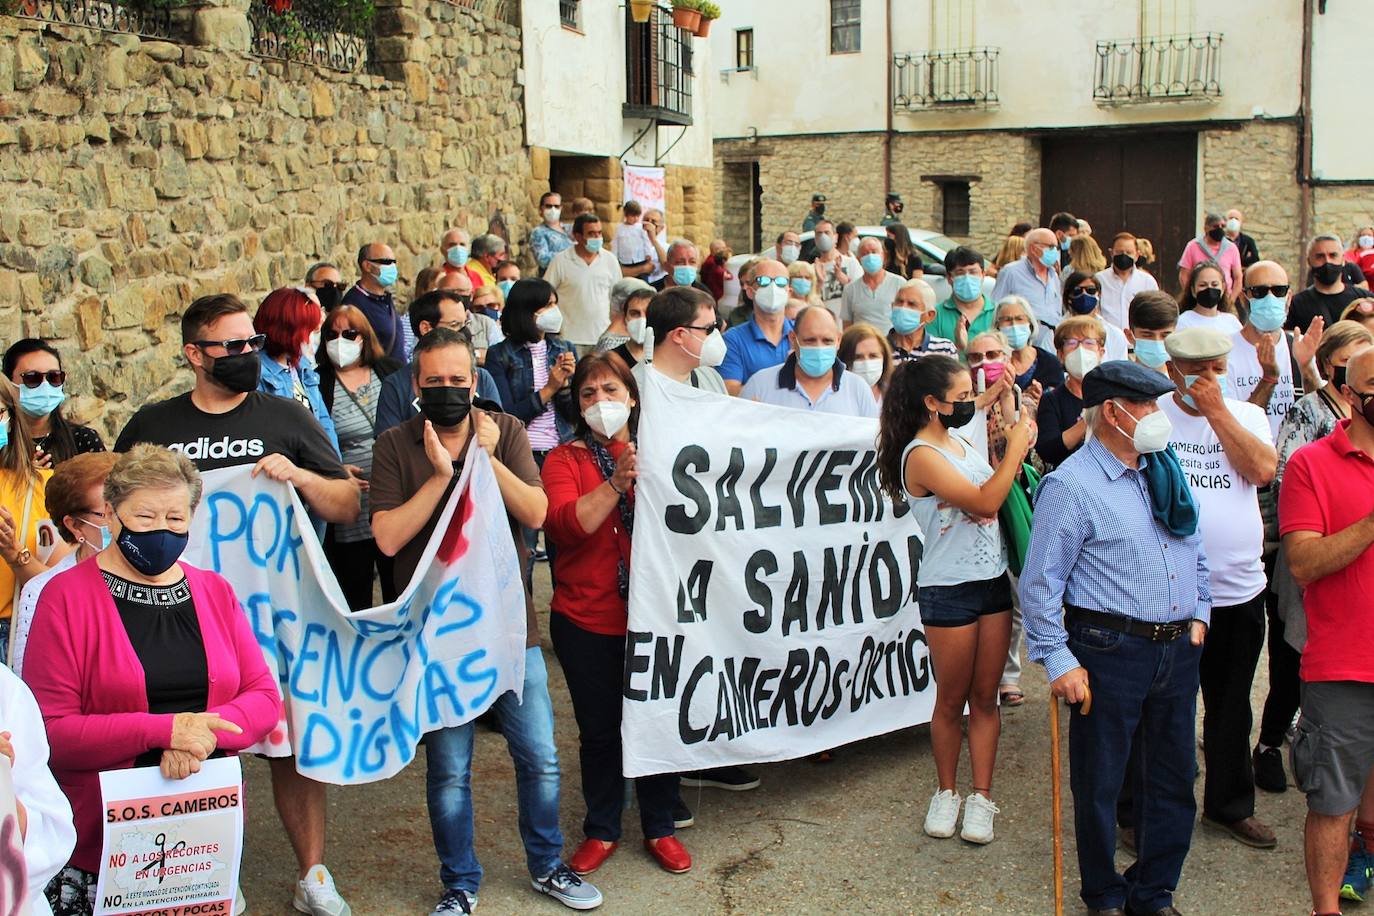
[(528, 728), (1153, 685)]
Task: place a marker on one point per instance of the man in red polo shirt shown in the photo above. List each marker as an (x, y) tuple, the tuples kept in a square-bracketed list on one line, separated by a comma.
[(1326, 518)]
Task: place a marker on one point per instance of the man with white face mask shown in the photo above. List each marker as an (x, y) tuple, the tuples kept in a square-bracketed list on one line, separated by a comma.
[(834, 268), (687, 343), (788, 247), (1115, 595), (762, 340), (1225, 449)]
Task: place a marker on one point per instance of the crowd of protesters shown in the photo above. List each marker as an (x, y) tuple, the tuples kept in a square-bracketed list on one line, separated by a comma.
[(1199, 468)]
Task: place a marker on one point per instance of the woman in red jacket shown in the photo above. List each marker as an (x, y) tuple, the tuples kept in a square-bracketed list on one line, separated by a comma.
[(590, 485)]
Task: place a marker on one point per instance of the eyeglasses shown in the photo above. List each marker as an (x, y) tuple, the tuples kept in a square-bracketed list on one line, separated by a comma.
[(33, 378), (380, 260), (1084, 291), (346, 334), (707, 328), (325, 284), (235, 345), (1259, 291), (761, 282), (975, 358), (1087, 343), (453, 324)]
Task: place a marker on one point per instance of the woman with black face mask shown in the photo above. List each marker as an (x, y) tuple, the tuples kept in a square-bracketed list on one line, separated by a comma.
[(130, 651), (962, 586), (1203, 300)]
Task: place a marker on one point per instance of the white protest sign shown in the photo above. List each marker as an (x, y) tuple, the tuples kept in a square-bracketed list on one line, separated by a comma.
[(359, 689), (14, 872), (172, 846), (773, 587), (648, 187)]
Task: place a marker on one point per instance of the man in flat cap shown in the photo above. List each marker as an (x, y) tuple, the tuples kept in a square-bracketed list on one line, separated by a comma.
[(1114, 595), (1227, 454), (815, 214)]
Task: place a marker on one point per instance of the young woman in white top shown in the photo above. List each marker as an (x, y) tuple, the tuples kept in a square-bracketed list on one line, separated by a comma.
[(1204, 301), (962, 585)]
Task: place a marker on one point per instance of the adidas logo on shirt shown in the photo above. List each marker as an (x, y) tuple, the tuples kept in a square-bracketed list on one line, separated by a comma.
[(204, 448)]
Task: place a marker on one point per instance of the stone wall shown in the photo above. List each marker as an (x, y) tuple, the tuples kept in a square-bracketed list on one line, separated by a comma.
[(136, 175), (848, 170), (1342, 209), (1253, 167)]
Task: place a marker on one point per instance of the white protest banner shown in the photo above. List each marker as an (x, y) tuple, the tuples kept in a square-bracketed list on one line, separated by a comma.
[(14, 872), (647, 186), (172, 846), (359, 689), (773, 587)]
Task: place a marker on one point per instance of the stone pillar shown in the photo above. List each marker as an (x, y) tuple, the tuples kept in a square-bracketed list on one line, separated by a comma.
[(222, 25)]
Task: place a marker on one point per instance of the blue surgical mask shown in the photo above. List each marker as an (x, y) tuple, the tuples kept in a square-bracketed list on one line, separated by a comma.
[(801, 286), (504, 286), (1266, 314), (684, 275), (871, 263), (1018, 335), (968, 287), (387, 275), (1084, 304), (104, 530), (905, 320), (1222, 380), (457, 256), (40, 401), (1049, 257), (4, 435), (1151, 352), (816, 361), (1065, 242), (593, 245)]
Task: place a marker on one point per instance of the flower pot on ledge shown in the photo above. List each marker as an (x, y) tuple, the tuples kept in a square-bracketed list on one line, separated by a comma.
[(703, 28), (685, 18), (640, 10)]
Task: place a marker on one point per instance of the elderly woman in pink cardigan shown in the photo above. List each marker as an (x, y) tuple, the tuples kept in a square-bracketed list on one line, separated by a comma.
[(138, 660)]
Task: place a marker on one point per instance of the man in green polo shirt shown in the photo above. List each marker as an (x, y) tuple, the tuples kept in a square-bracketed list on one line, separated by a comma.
[(968, 311)]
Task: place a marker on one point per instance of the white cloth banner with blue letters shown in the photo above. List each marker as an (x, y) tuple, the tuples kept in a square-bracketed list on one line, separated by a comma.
[(359, 689)]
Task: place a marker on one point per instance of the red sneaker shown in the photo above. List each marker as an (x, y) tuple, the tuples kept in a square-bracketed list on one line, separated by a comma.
[(671, 855), (591, 855)]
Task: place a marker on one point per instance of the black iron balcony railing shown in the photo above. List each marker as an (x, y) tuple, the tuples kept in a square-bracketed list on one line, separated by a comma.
[(963, 77), (309, 32), (151, 19), (1158, 69), (567, 13), (658, 70)]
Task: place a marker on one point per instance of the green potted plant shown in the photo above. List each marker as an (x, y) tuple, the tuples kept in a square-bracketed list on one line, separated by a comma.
[(640, 10), (687, 14), (709, 13)]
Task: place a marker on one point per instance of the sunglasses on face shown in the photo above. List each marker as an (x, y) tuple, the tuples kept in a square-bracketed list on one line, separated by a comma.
[(380, 260), (1085, 291), (235, 345), (761, 282), (33, 378), (1260, 291), (326, 284), (975, 358), (346, 334)]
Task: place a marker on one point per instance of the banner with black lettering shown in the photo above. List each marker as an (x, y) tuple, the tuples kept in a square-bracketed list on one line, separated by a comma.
[(772, 590)]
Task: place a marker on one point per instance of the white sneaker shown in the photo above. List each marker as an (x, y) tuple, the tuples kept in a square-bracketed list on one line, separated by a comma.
[(317, 896), (943, 814), (978, 812)]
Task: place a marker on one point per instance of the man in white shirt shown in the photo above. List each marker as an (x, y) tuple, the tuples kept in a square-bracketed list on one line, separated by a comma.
[(631, 245), (1226, 452), (834, 269), (813, 377), (658, 241), (687, 343), (582, 276), (1121, 281), (1262, 360), (868, 300)]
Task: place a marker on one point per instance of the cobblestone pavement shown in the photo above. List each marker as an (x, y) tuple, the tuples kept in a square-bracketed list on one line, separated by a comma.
[(814, 838)]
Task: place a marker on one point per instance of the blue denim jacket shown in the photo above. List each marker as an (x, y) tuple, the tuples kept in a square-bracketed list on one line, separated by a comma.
[(512, 369), (276, 379)]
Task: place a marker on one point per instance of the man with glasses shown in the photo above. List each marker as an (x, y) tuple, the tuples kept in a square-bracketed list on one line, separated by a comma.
[(324, 278), (761, 341), (483, 330), (868, 298), (372, 296), (1035, 278), (224, 421), (687, 343), (440, 308)]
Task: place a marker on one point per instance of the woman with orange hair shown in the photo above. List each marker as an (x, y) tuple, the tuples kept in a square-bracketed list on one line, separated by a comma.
[(291, 317)]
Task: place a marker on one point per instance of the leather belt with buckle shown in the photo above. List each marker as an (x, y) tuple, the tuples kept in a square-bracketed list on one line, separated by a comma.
[(1155, 632)]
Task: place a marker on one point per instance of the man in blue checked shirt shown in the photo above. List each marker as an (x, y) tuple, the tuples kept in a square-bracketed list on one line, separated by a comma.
[(1115, 594)]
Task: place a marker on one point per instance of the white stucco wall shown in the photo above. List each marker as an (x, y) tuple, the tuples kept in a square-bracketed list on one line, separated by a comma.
[(575, 87), (1342, 131), (1046, 65)]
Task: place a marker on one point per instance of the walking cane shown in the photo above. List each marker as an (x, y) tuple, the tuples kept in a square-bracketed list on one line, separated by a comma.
[(1083, 710)]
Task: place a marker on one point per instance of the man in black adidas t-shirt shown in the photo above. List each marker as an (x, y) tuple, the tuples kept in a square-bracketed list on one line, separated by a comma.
[(226, 422)]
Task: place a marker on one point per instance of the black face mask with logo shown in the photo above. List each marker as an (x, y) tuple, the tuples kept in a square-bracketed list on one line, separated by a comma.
[(240, 374)]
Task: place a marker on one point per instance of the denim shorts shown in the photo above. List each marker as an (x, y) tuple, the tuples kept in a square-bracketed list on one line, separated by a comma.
[(962, 604)]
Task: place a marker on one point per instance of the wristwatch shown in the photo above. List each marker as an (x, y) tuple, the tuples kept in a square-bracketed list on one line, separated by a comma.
[(23, 557)]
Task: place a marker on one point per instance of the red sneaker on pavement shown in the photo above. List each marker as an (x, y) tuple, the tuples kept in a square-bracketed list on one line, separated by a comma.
[(591, 855), (672, 856)]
